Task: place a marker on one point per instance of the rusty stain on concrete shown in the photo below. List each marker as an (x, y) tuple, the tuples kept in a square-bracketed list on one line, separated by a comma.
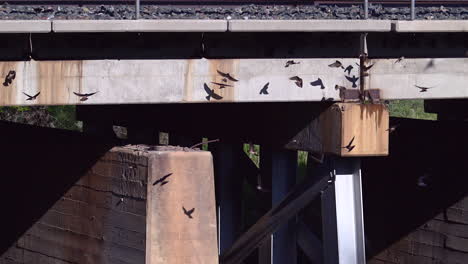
[(188, 85), (58, 80), (8, 93), (227, 66)]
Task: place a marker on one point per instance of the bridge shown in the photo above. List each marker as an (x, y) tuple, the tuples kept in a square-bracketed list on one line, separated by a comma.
[(320, 86)]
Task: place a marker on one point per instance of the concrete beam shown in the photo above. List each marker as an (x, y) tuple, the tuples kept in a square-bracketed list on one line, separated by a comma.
[(431, 26), (309, 25), (164, 25), (445, 78), (25, 26), (170, 81)]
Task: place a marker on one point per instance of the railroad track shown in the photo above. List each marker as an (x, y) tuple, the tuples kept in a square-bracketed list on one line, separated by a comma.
[(231, 2)]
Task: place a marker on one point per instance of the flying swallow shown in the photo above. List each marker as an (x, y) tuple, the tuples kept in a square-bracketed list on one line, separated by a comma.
[(336, 64), (189, 212), (353, 80), (31, 98), (222, 85), (365, 68), (162, 180), (430, 64), (392, 128), (84, 97), (399, 59), (211, 93), (423, 88), (326, 99), (350, 145), (348, 69), (341, 88), (227, 76), (9, 78), (264, 90), (297, 80), (317, 83), (290, 62)]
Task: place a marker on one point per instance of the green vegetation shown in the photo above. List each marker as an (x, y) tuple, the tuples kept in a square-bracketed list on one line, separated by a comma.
[(410, 109)]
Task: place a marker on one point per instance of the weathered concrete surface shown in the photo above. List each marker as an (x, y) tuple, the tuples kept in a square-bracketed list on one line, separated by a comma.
[(445, 78), (431, 26), (165, 25), (181, 219), (25, 26), (309, 25), (171, 81)]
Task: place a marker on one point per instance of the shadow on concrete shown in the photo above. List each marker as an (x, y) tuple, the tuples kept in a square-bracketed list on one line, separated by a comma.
[(425, 173), (38, 165)]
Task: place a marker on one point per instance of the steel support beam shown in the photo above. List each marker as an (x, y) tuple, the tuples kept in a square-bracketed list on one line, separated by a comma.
[(228, 193), (279, 166), (342, 212)]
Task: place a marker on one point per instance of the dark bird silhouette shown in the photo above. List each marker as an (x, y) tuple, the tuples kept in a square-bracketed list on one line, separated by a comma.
[(423, 88), (264, 90), (189, 212), (430, 64), (318, 82), (326, 99), (399, 59), (84, 97), (161, 181), (290, 62), (211, 93), (227, 76), (297, 80), (9, 78), (348, 69), (365, 68), (336, 64), (350, 145), (222, 85), (341, 88), (353, 80), (31, 98)]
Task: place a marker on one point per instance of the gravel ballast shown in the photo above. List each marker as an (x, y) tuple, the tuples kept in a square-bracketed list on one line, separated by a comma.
[(29, 12)]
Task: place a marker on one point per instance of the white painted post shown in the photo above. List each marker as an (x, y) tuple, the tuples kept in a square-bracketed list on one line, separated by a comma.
[(342, 212)]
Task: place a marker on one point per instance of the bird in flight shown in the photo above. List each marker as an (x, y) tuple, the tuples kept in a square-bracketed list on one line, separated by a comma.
[(423, 88), (392, 128), (84, 97), (227, 76), (9, 78), (318, 82), (297, 80), (31, 98), (350, 145), (211, 93), (365, 68), (222, 85), (348, 69), (353, 80), (399, 59), (189, 212), (161, 181), (341, 88), (336, 64), (290, 62), (264, 90)]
